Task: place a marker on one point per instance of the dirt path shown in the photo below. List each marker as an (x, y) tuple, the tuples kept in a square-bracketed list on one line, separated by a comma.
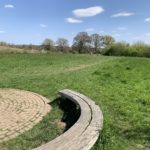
[(80, 67)]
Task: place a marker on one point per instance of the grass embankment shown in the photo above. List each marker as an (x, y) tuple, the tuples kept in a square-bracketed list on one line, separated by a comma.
[(13, 50), (119, 85)]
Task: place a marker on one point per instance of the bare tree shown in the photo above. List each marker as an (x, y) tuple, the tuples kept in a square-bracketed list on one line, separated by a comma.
[(48, 44), (82, 42), (2, 43), (62, 44), (108, 40), (96, 41)]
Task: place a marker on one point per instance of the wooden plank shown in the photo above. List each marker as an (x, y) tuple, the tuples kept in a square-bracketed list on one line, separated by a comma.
[(76, 130), (84, 133), (91, 134)]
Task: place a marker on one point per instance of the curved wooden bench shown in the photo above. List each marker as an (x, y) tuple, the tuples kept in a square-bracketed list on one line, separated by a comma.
[(85, 132)]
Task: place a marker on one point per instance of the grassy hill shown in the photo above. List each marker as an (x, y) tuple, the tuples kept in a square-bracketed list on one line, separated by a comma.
[(8, 49), (119, 85)]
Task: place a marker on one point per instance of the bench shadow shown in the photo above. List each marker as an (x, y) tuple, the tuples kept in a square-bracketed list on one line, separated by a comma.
[(71, 111)]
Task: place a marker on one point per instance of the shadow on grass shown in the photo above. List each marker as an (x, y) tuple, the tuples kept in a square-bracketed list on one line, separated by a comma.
[(63, 115), (71, 111)]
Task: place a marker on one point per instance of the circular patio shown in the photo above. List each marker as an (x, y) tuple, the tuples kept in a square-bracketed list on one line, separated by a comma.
[(20, 111)]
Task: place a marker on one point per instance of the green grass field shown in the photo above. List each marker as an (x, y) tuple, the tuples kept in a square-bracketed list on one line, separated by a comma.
[(119, 85)]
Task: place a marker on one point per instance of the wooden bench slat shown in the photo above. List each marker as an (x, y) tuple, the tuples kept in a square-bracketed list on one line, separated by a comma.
[(97, 119), (75, 131), (84, 133), (91, 134)]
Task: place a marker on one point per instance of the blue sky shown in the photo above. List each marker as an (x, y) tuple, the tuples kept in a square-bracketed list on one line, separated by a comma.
[(31, 21)]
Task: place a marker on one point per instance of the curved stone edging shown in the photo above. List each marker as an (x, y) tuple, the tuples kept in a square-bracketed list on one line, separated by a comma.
[(85, 132)]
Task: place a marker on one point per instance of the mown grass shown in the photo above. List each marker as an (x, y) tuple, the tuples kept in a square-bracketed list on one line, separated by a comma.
[(119, 85)]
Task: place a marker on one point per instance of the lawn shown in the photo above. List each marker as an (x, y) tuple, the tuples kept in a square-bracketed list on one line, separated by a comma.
[(119, 85)]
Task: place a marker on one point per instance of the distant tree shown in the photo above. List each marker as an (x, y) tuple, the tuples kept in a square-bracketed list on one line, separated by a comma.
[(96, 41), (48, 44), (108, 40), (62, 44), (82, 42), (2, 43)]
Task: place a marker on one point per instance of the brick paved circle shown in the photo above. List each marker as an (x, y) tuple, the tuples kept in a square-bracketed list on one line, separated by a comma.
[(20, 111)]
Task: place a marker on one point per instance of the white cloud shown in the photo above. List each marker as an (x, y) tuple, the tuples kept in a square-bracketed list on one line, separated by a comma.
[(144, 37), (102, 31), (116, 35), (9, 6), (129, 33), (73, 20), (88, 12), (122, 28), (2, 31), (147, 34), (113, 31), (90, 29), (43, 25), (147, 20), (122, 14)]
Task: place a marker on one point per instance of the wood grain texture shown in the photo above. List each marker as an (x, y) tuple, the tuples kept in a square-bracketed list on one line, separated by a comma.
[(85, 132)]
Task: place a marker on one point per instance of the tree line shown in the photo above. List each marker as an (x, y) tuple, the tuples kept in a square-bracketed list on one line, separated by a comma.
[(82, 43), (92, 44)]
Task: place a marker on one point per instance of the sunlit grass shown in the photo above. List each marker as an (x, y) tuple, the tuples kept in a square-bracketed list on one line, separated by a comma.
[(119, 85)]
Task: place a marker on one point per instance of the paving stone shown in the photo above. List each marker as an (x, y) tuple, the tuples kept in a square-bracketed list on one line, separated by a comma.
[(17, 109)]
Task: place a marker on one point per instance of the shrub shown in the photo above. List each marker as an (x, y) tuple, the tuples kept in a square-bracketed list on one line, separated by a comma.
[(117, 49), (138, 49)]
